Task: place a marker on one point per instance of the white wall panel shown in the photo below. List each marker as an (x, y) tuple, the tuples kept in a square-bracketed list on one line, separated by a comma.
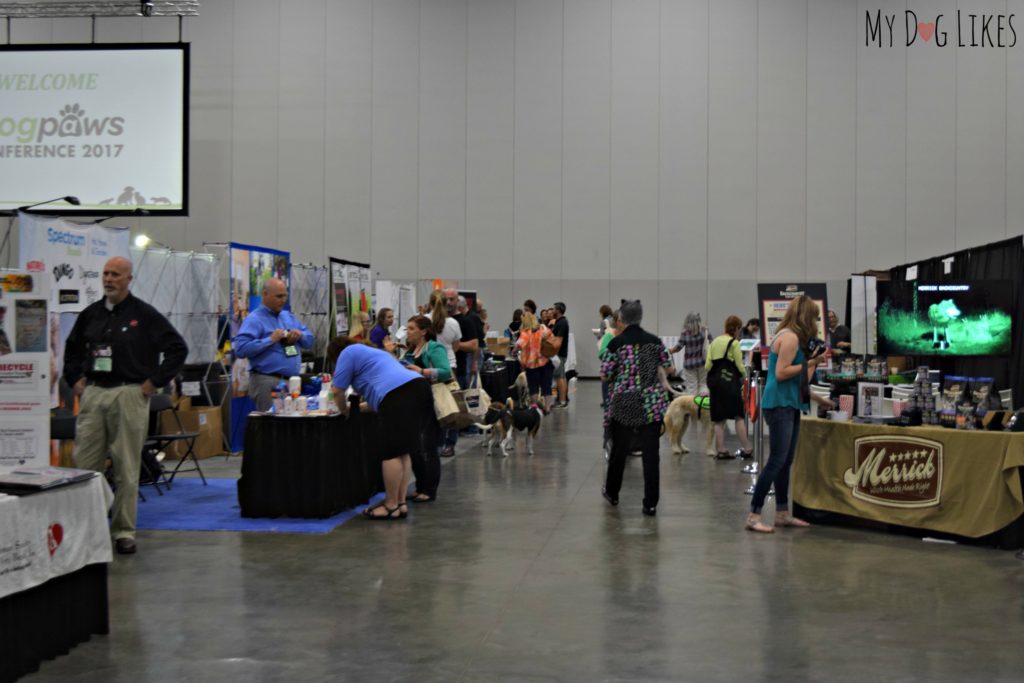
[(31, 31), (881, 146), (119, 29), (348, 129), (300, 126), (254, 171), (442, 139), (538, 139), (676, 298), (683, 140), (1015, 125), (159, 30), (585, 150), (210, 126), (73, 30), (634, 140), (394, 236), (980, 132), (732, 139), (490, 125), (931, 135), (586, 140), (782, 140), (831, 136)]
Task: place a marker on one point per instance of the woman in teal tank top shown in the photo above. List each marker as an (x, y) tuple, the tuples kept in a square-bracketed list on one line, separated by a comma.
[(781, 406)]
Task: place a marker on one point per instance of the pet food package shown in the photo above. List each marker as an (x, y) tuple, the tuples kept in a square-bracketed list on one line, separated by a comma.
[(954, 391), (980, 393)]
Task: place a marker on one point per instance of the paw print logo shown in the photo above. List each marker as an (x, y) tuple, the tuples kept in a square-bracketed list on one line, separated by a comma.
[(71, 121)]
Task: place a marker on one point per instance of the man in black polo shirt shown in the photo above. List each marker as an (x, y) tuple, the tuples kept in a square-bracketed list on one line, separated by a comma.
[(112, 359), (561, 339)]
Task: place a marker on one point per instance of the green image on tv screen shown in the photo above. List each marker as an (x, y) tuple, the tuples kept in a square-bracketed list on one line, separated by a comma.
[(945, 319)]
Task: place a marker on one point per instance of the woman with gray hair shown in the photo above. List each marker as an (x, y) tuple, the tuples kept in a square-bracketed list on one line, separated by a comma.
[(692, 339)]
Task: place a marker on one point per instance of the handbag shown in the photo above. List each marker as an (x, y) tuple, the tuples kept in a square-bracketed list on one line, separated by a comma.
[(446, 408), (547, 346), (477, 401), (724, 375)]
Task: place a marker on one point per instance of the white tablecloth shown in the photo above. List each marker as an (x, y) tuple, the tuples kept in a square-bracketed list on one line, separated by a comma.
[(48, 534)]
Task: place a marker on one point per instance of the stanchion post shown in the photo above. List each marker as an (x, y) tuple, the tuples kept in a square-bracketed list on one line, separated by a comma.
[(755, 467)]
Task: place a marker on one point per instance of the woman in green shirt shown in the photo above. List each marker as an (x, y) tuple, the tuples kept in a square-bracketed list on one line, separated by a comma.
[(430, 359), (727, 397)]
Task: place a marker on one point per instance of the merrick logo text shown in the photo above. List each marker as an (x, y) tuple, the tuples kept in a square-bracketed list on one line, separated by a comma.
[(903, 472), (965, 29)]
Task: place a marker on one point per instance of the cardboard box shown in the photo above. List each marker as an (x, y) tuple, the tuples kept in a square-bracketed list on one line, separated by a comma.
[(499, 346), (205, 420)]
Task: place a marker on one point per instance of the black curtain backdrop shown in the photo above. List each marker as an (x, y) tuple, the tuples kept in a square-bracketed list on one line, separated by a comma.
[(997, 261)]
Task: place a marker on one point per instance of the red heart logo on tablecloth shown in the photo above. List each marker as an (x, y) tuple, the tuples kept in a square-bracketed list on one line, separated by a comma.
[(54, 535), (926, 31)]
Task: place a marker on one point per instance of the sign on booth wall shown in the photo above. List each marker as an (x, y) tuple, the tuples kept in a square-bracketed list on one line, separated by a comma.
[(26, 368), (351, 293), (71, 254), (774, 299), (250, 267)]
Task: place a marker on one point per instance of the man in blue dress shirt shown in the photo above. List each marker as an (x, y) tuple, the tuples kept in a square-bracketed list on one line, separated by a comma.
[(272, 339)]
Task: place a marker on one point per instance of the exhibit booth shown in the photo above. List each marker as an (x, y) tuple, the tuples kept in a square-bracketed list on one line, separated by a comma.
[(925, 438)]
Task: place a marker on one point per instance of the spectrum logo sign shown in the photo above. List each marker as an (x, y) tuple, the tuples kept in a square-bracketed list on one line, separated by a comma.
[(71, 122)]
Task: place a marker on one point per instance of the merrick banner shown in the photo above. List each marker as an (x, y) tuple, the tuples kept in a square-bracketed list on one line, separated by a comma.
[(958, 482)]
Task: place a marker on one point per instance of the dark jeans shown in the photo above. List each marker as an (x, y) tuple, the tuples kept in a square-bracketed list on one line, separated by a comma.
[(426, 463), (784, 429), (539, 380), (427, 468), (605, 388), (649, 437)]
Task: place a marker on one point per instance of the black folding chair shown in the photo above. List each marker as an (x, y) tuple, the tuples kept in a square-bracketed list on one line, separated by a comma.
[(158, 403)]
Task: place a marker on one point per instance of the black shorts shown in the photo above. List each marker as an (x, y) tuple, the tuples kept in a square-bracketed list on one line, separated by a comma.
[(406, 419)]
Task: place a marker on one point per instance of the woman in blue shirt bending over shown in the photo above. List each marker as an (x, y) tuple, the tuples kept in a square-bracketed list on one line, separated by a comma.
[(789, 369), (405, 406)]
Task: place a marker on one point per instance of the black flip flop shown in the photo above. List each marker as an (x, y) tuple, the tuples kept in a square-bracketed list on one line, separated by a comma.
[(393, 513)]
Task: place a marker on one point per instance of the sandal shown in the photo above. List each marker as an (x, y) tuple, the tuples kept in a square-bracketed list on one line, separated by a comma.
[(758, 526), (794, 522), (391, 513), (723, 455), (422, 498), (403, 510)]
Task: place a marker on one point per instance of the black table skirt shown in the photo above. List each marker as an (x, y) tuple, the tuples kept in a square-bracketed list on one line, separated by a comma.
[(48, 620), (310, 467)]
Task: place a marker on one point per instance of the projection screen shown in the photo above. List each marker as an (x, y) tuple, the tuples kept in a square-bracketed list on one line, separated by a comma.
[(105, 123)]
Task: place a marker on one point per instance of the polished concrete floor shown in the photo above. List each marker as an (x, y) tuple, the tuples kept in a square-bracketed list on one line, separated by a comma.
[(522, 572)]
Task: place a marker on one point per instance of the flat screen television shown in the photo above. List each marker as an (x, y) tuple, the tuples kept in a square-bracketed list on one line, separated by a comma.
[(945, 319), (106, 123)]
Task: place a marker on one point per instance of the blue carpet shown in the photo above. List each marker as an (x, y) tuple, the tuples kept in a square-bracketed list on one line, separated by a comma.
[(190, 506)]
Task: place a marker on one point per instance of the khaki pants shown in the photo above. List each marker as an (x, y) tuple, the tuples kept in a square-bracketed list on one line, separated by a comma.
[(114, 420)]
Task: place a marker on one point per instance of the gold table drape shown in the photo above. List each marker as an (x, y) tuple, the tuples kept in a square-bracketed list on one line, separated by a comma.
[(955, 481)]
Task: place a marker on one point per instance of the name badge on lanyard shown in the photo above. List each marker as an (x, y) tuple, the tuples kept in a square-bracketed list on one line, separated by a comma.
[(290, 350), (102, 358)]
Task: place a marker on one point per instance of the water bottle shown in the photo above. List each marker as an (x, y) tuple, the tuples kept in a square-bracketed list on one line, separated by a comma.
[(301, 405), (289, 405)]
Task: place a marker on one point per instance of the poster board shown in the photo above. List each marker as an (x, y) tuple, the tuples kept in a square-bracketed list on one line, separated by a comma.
[(863, 321), (26, 368), (72, 254), (351, 292), (249, 268), (71, 257), (774, 299), (400, 297)]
